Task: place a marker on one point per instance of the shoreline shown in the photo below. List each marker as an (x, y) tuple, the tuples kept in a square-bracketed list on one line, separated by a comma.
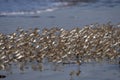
[(68, 18)]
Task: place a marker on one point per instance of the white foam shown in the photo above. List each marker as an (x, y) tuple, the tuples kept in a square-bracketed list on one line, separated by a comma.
[(27, 12)]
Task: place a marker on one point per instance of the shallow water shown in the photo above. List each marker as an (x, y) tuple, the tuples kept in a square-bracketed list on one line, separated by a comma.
[(88, 71)]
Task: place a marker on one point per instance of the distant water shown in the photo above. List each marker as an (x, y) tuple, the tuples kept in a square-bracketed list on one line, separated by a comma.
[(30, 7), (56, 13), (23, 7)]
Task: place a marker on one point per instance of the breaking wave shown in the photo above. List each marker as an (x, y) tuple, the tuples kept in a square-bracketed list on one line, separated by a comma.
[(27, 7), (30, 7)]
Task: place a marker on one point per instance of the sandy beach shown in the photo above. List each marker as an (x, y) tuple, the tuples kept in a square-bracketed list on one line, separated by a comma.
[(68, 18)]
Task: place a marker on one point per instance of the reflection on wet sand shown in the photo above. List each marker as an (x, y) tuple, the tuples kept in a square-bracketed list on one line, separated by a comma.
[(59, 46), (2, 76)]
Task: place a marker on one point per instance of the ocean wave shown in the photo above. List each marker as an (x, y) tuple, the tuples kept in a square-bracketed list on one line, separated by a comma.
[(30, 7), (26, 12)]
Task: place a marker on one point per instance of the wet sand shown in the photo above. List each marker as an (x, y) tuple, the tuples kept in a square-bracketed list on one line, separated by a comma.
[(67, 18), (89, 71)]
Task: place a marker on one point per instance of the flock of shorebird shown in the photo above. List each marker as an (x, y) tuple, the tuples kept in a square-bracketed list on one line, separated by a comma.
[(57, 45)]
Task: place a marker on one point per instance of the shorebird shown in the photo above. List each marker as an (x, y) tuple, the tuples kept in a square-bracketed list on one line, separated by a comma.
[(60, 45)]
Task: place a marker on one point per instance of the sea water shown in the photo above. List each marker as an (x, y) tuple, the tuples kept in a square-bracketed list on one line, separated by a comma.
[(56, 13), (26, 7)]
